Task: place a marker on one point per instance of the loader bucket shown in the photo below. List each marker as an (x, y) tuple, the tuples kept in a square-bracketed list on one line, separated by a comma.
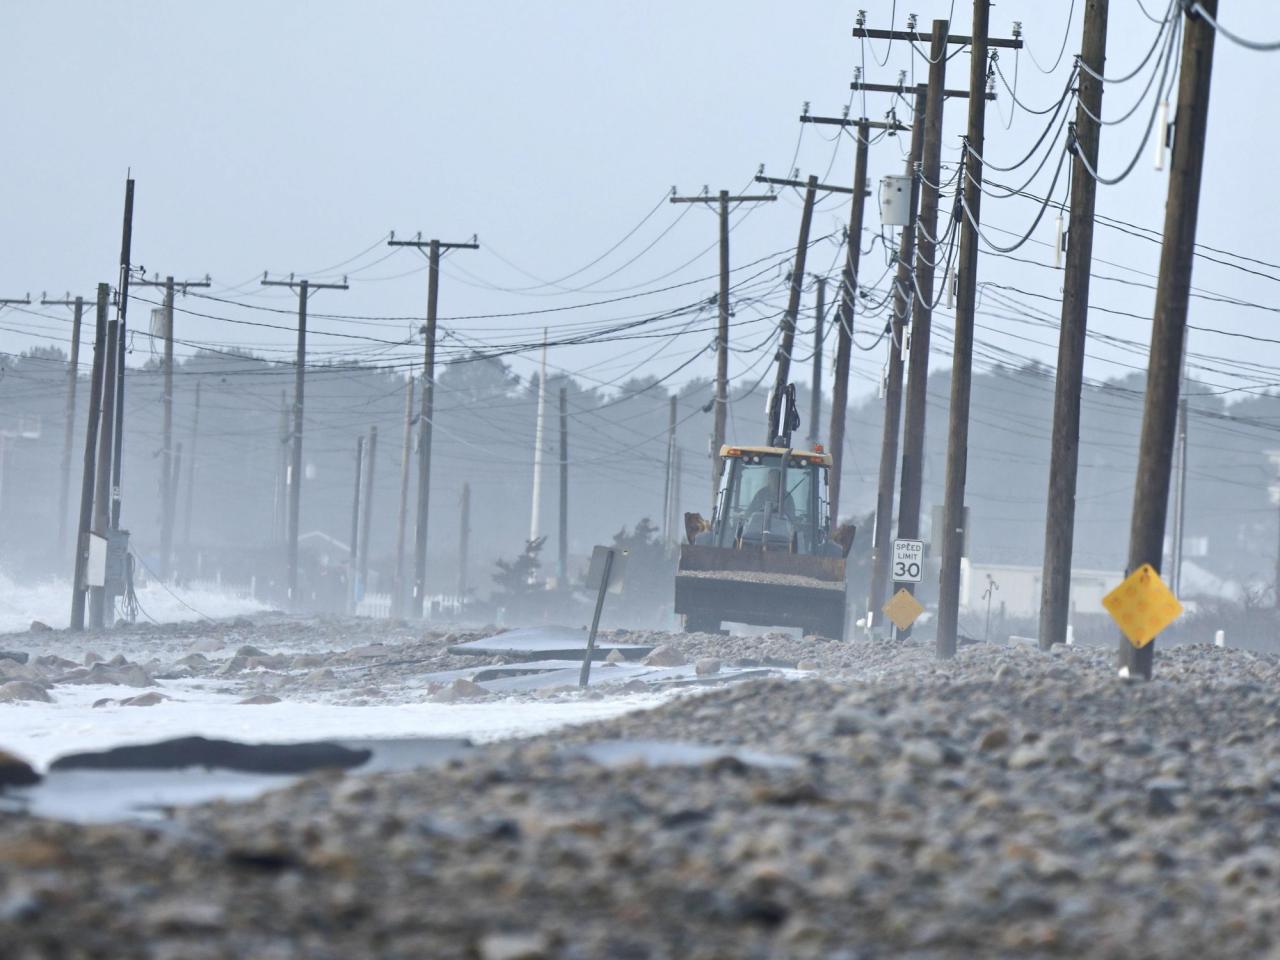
[(774, 588)]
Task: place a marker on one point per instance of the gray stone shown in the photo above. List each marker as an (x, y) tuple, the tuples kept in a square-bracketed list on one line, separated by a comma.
[(665, 655), (24, 690), (997, 738), (39, 626), (145, 700), (1027, 755), (923, 753), (707, 666), (513, 946), (16, 772)]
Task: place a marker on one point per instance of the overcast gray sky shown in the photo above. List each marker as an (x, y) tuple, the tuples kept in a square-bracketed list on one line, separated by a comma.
[(291, 136)]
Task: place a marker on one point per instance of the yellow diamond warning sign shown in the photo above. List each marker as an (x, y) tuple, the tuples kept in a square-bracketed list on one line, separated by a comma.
[(903, 609), (1142, 605)]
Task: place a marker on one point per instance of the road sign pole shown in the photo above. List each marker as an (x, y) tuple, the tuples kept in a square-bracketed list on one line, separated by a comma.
[(585, 674)]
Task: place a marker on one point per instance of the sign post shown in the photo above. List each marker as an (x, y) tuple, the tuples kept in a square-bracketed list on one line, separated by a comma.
[(599, 575)]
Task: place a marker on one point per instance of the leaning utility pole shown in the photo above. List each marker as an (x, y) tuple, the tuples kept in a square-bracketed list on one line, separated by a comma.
[(903, 297), (102, 482), (722, 199), (168, 496), (78, 584), (293, 476), (1064, 450), (122, 309), (353, 554), (562, 559), (69, 425), (848, 298), (1164, 368), (954, 535), (787, 340), (848, 291), (371, 458), (431, 249), (922, 309), (402, 521), (815, 401)]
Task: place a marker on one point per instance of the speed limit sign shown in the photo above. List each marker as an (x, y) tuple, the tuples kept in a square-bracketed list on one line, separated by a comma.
[(908, 561)]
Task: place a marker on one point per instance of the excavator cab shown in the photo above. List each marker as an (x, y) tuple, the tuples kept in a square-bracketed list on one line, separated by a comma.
[(768, 556)]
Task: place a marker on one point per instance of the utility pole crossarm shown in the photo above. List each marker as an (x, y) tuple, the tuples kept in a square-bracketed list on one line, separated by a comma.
[(184, 284), (862, 121), (914, 36), (15, 301), (440, 244), (802, 184), (904, 90), (311, 284), (744, 198)]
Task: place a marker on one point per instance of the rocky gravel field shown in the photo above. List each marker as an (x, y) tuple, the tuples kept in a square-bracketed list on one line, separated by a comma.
[(1005, 804)]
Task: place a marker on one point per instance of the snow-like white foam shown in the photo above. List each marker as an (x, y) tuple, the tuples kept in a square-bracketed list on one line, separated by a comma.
[(49, 601), (40, 732)]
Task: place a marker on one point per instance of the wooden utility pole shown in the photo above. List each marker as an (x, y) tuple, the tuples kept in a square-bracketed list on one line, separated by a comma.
[(353, 555), (1064, 450), (191, 471), (371, 460), (539, 432), (172, 506), (848, 291), (69, 424), (102, 483), (722, 199), (168, 496), (562, 559), (293, 476), (926, 254), (903, 295), (431, 250), (122, 309), (281, 531), (464, 538), (670, 528), (788, 338), (402, 520), (815, 401), (1164, 368), (78, 585), (922, 304), (954, 536)]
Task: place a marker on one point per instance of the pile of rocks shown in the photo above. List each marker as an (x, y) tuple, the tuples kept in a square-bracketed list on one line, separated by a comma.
[(1002, 804)]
